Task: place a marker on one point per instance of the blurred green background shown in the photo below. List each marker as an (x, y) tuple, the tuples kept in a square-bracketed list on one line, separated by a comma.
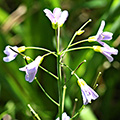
[(22, 22)]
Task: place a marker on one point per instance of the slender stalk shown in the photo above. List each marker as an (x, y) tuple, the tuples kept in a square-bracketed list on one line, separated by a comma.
[(74, 106), (79, 42), (59, 74), (43, 49), (24, 56), (46, 92), (49, 72), (71, 70), (95, 84), (79, 48), (56, 37), (63, 100), (83, 106), (33, 112), (76, 32), (59, 86)]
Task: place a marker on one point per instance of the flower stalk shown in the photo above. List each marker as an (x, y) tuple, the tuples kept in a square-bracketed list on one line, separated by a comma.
[(46, 92), (59, 75), (34, 113)]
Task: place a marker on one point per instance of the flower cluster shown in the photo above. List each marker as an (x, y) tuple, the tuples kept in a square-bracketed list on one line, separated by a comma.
[(58, 18), (106, 49)]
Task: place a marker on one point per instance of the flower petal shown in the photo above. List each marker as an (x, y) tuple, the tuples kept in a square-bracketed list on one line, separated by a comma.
[(30, 74), (63, 18), (85, 98), (57, 13), (64, 116), (107, 35), (31, 69), (8, 58), (50, 15), (93, 93), (101, 28), (11, 55)]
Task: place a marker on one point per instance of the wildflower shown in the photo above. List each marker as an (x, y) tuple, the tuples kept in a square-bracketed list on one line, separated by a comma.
[(64, 117), (11, 55), (31, 69), (106, 51), (57, 18), (101, 35), (88, 93)]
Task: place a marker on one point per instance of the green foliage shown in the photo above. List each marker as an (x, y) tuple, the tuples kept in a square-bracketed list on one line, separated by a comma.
[(33, 29)]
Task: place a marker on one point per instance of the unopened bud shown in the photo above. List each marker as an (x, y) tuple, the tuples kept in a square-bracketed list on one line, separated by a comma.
[(79, 32), (21, 49)]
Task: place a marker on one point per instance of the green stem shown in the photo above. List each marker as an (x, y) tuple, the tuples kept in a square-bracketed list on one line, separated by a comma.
[(43, 49), (46, 92), (59, 86), (71, 71), (63, 100), (83, 106), (56, 37), (49, 72), (33, 112), (94, 86), (58, 41), (24, 56), (79, 48), (59, 74), (79, 42), (76, 33)]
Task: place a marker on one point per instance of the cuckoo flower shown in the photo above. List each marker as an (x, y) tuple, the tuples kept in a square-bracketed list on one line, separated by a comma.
[(57, 18), (31, 69), (88, 93), (12, 52), (106, 51), (101, 35), (64, 117)]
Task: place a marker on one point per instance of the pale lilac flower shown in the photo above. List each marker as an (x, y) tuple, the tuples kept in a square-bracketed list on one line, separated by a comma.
[(88, 93), (31, 69), (57, 17), (64, 117), (101, 35), (106, 51), (11, 55)]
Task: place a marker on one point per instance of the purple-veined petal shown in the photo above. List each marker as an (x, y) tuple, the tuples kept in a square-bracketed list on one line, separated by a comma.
[(93, 93), (85, 98), (11, 55), (108, 56), (30, 74), (104, 44), (107, 35), (31, 69), (108, 52), (9, 58), (88, 93)]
